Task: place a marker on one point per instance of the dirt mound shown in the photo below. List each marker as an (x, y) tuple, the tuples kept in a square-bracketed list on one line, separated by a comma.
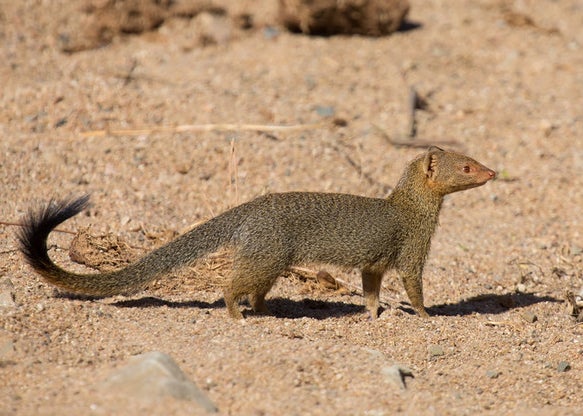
[(105, 252), (97, 23), (352, 17)]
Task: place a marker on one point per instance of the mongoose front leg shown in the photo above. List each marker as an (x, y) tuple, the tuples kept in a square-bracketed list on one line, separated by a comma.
[(414, 287), (371, 287), (257, 301)]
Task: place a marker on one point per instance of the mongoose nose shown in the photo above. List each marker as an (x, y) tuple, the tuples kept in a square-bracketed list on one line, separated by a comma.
[(491, 174)]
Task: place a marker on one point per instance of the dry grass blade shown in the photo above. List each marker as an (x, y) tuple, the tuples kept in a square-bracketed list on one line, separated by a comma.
[(417, 143), (204, 128), (17, 224)]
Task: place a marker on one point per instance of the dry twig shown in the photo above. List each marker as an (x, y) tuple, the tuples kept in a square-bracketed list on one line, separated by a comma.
[(204, 128), (17, 224), (417, 144)]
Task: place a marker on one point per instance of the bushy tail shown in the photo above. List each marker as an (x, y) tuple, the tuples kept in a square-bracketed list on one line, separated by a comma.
[(38, 224)]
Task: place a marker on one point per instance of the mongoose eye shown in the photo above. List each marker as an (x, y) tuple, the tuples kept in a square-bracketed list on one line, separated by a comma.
[(467, 169)]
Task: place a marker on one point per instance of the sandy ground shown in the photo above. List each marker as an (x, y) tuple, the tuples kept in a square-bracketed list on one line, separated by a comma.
[(503, 82)]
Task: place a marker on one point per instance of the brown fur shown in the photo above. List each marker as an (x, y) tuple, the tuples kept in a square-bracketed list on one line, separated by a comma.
[(276, 231)]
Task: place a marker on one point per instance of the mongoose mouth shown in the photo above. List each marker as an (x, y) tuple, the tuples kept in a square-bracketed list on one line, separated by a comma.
[(491, 174), (488, 175)]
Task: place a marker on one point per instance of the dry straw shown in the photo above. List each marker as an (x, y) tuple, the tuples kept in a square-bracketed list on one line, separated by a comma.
[(205, 128)]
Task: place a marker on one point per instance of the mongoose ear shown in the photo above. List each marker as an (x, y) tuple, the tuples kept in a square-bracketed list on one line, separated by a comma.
[(434, 149), (430, 161)]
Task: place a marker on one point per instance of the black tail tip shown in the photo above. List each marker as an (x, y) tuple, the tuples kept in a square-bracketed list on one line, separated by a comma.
[(39, 222)]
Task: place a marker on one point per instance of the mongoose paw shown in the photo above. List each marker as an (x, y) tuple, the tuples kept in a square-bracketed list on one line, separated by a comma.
[(235, 313), (422, 313), (372, 315)]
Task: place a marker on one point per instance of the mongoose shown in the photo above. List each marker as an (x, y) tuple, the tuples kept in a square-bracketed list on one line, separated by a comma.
[(276, 231)]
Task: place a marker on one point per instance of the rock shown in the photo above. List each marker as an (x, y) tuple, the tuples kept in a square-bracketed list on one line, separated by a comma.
[(396, 374), (436, 351), (6, 293), (270, 32), (153, 375), (529, 317), (325, 110), (212, 28), (563, 366), (6, 347), (7, 299), (351, 17), (492, 373)]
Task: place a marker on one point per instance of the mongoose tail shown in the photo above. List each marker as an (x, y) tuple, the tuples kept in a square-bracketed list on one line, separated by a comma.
[(186, 248)]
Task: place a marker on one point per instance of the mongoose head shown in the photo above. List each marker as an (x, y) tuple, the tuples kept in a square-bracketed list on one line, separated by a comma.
[(448, 172)]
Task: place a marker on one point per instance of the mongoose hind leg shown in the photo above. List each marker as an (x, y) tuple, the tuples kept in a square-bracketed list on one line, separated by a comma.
[(258, 305), (263, 284), (247, 279), (414, 287), (371, 287)]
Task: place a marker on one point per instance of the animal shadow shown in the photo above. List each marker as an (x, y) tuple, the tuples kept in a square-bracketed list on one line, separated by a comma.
[(154, 302), (491, 303), (279, 307), (311, 308)]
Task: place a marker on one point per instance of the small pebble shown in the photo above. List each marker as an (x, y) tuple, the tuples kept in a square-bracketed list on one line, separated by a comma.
[(529, 317), (7, 299), (492, 373), (325, 111), (396, 375), (436, 351), (7, 293), (61, 122), (547, 127), (563, 366), (6, 347), (270, 32)]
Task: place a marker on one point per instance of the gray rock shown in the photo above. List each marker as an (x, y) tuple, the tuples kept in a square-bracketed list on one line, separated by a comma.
[(325, 111), (492, 373), (396, 374), (156, 374), (6, 293), (6, 347), (436, 351), (563, 367), (529, 317)]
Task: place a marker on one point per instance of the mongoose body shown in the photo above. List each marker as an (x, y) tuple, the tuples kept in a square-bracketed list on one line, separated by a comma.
[(276, 231)]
